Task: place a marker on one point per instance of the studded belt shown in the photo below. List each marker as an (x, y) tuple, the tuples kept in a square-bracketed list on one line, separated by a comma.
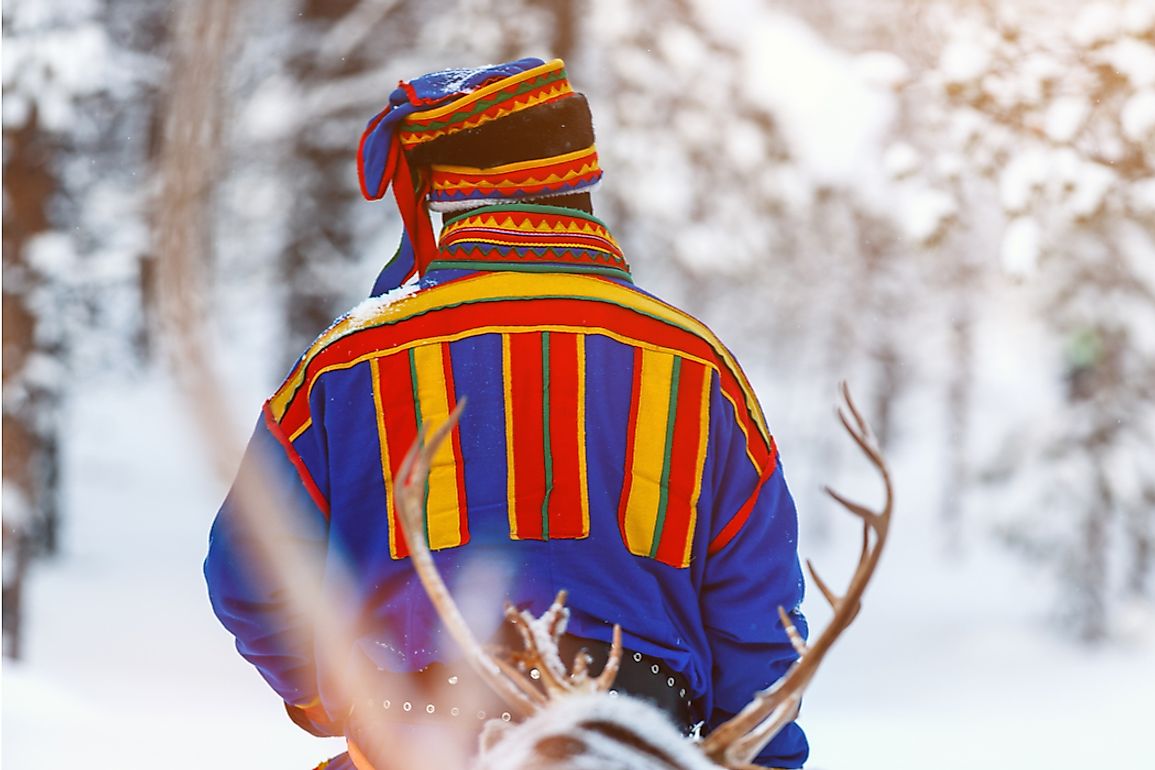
[(432, 693)]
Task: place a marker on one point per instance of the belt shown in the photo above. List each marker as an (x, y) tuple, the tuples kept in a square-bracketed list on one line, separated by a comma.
[(430, 692)]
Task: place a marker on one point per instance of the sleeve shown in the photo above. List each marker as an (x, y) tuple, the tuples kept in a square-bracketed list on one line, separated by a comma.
[(271, 633), (752, 568)]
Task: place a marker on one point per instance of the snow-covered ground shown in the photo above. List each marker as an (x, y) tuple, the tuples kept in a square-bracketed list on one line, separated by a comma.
[(952, 664), (949, 666)]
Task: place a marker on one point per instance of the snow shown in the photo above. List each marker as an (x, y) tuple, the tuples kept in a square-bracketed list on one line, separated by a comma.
[(1020, 248), (1134, 59), (901, 160), (1142, 196), (370, 310), (964, 61), (1138, 117), (1089, 183), (1139, 17), (126, 659), (925, 212), (831, 113), (54, 66), (272, 112), (124, 656), (1065, 117), (954, 662), (1096, 23), (882, 68), (1021, 178)]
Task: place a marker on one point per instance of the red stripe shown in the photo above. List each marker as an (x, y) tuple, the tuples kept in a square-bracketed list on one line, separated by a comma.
[(295, 458), (631, 430), (734, 526), (565, 506), (537, 311), (526, 388), (400, 426), (459, 458), (683, 464)]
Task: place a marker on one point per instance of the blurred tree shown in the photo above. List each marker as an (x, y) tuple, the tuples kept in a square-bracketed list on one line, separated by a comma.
[(74, 234), (329, 50), (1058, 119), (31, 391)]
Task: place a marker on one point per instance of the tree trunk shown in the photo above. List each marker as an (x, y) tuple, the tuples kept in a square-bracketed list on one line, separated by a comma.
[(31, 400)]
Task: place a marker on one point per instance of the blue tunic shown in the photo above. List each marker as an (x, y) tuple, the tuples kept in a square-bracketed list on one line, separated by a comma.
[(611, 447)]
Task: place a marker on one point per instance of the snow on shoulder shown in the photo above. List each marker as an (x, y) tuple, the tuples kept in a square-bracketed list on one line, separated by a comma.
[(371, 309)]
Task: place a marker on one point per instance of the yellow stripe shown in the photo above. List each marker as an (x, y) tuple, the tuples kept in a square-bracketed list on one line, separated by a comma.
[(649, 451), (703, 438), (519, 166), (503, 329), (413, 134), (443, 515), (519, 286), (386, 466), (583, 481), (511, 491), (426, 116)]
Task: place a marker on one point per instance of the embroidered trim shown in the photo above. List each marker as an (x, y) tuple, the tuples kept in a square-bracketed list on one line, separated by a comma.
[(529, 238), (462, 307), (507, 96), (455, 186)]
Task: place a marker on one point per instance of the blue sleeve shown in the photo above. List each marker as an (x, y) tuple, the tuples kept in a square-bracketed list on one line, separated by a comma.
[(270, 632), (750, 572)]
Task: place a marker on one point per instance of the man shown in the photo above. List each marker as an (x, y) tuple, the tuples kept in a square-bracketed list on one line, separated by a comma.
[(611, 446)]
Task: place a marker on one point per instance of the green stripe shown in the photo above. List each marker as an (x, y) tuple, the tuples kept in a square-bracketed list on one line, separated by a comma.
[(420, 424), (552, 267), (545, 435), (485, 104), (712, 342), (664, 499)]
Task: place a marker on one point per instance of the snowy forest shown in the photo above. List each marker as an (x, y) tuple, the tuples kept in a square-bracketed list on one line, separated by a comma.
[(948, 203)]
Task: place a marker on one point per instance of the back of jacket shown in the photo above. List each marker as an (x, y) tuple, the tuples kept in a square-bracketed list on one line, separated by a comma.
[(611, 446)]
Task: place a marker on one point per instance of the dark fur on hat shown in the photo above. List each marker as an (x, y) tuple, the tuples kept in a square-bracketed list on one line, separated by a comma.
[(550, 129)]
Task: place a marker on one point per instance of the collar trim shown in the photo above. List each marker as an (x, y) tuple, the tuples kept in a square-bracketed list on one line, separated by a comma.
[(530, 238)]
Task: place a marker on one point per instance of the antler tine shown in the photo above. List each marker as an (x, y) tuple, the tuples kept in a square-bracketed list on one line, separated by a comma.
[(606, 679), (409, 492), (860, 421), (831, 597), (549, 666), (735, 743), (796, 640), (513, 673)]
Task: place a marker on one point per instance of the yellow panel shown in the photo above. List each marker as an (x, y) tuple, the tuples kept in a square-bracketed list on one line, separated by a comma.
[(443, 511), (649, 451)]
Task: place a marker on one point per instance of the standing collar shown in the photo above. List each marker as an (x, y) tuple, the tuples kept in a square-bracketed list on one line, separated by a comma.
[(529, 238)]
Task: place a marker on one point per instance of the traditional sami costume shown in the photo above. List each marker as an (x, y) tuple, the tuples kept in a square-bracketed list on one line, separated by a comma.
[(611, 446)]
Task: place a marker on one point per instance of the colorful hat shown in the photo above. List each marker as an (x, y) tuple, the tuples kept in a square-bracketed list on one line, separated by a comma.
[(444, 103)]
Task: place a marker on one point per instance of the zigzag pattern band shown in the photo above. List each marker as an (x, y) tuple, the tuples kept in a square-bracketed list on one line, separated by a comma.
[(529, 235), (537, 178), (539, 85)]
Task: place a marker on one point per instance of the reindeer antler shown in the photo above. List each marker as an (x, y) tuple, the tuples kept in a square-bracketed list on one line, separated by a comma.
[(541, 649), (736, 742)]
